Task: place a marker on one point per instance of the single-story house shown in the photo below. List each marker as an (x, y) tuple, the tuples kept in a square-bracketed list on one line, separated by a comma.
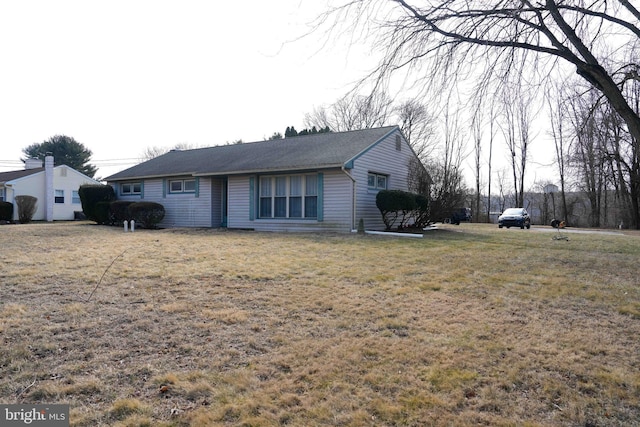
[(324, 181), (55, 187)]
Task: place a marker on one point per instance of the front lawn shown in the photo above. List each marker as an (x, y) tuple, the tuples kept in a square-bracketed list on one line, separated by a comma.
[(469, 325)]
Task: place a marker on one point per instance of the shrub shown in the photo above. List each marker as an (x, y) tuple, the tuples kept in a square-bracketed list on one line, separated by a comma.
[(26, 208), (146, 214), (90, 196), (398, 204), (119, 211), (6, 211), (102, 213), (422, 214)]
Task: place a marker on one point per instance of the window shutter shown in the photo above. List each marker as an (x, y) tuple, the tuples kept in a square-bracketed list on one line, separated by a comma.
[(252, 198), (164, 188), (320, 197), (142, 189), (197, 187)]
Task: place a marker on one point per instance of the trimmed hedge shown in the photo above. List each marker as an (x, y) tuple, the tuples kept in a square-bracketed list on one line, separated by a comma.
[(119, 211), (6, 211), (90, 196), (411, 209), (102, 213), (146, 214)]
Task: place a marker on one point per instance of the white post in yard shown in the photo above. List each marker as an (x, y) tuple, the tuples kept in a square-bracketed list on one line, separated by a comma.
[(125, 225), (133, 225)]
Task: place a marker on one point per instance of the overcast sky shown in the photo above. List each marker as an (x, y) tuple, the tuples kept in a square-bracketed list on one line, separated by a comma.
[(121, 76)]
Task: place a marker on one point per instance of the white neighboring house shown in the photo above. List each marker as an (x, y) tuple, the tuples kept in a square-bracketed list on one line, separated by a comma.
[(55, 187)]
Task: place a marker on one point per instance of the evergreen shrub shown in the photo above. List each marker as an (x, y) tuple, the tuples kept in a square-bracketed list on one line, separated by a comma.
[(6, 211), (102, 213), (90, 196), (119, 210), (146, 214)]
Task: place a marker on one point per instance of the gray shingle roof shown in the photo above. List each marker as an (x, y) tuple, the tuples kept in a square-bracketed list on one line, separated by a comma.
[(11, 175), (315, 151)]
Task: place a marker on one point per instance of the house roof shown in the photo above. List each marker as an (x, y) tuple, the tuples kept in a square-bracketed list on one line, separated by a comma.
[(11, 175), (317, 151)]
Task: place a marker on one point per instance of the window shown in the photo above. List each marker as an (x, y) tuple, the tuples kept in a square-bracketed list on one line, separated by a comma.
[(131, 188), (265, 197), (292, 196), (311, 196), (376, 181), (295, 196), (59, 196), (182, 186), (75, 198)]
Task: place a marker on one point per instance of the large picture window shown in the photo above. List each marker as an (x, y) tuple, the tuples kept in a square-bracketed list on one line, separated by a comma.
[(290, 196)]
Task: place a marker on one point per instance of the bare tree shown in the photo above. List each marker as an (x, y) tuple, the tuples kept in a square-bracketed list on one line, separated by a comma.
[(492, 134), (448, 189), (516, 130), (476, 127), (418, 126), (353, 112), (503, 194), (558, 117), (155, 151), (516, 32), (443, 42), (588, 152)]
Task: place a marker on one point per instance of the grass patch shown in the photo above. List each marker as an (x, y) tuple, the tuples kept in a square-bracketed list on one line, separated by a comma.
[(469, 325)]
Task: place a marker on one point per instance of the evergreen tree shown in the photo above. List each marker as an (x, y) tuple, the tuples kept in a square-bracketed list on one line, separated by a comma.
[(65, 151), (290, 132)]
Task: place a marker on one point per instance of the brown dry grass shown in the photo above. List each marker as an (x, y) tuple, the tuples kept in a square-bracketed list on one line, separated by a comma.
[(470, 325)]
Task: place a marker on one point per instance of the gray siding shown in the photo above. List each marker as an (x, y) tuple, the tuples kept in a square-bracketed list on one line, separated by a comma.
[(383, 158), (336, 203), (339, 191), (181, 210)]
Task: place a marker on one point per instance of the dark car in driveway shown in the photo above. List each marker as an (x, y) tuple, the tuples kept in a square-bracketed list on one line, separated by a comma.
[(460, 214), (514, 217)]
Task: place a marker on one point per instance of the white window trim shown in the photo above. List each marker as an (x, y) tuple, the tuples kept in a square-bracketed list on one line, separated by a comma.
[(56, 196), (131, 185), (376, 176), (182, 186)]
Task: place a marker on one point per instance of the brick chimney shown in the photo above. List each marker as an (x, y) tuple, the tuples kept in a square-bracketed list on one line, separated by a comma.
[(32, 164)]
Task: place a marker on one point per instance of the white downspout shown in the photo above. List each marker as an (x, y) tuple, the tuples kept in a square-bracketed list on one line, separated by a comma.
[(353, 197)]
